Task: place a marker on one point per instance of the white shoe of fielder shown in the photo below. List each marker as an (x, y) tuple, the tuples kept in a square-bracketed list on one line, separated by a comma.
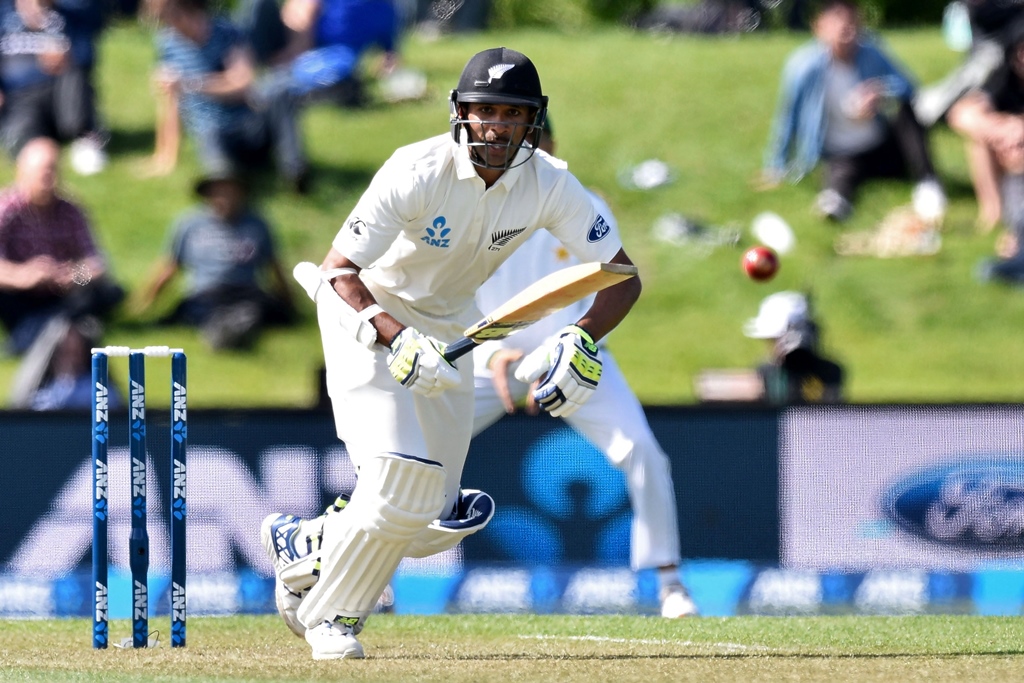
[(333, 640), (676, 603)]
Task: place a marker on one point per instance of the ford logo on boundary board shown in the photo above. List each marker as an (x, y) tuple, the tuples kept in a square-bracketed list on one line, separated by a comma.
[(973, 504)]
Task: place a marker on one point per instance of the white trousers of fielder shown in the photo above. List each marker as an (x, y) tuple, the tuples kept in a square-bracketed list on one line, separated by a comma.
[(613, 420)]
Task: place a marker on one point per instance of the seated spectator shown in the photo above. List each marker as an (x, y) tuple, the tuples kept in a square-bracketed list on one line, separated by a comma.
[(845, 102), (795, 372), (85, 20), (235, 281), (45, 90), (991, 24), (205, 79), (992, 119), (54, 286)]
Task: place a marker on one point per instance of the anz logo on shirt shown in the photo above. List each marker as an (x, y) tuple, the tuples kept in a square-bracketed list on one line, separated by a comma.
[(437, 234)]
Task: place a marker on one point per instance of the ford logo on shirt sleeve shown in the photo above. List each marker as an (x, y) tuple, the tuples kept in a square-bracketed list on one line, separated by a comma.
[(598, 230), (975, 504)]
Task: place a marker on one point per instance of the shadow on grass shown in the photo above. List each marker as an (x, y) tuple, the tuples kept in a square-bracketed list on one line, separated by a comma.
[(264, 179), (130, 141), (341, 178)]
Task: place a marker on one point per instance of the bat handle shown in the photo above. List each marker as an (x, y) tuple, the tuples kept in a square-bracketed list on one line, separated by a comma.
[(458, 349)]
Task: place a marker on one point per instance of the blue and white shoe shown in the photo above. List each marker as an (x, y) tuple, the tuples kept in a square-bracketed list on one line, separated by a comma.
[(289, 539), (278, 533)]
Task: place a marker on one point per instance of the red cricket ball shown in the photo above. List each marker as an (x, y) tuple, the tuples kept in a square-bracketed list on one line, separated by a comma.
[(760, 263)]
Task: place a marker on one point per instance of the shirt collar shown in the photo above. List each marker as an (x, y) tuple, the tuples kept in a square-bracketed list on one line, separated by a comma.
[(466, 169)]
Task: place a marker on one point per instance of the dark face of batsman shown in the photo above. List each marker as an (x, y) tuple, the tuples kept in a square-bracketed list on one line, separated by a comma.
[(499, 109)]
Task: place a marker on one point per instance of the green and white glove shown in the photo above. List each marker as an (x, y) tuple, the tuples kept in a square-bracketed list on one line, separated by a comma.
[(418, 363), (573, 366)]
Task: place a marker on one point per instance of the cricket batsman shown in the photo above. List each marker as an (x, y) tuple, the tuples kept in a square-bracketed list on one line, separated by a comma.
[(437, 220)]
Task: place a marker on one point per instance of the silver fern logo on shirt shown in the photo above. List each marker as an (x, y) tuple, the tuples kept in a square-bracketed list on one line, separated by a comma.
[(500, 239), (358, 227), (437, 234)]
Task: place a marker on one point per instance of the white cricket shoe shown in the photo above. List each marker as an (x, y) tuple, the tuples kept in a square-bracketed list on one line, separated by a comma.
[(277, 533), (332, 640), (676, 603), (287, 604), (280, 535)]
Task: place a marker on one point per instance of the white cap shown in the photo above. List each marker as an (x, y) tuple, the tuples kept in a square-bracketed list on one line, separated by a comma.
[(777, 312)]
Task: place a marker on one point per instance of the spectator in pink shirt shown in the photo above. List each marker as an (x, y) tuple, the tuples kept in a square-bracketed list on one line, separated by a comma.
[(54, 285)]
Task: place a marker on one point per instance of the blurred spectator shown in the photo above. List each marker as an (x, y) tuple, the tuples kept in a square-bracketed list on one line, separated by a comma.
[(206, 76), (45, 77), (706, 16), (328, 39), (795, 372), (261, 23), (844, 101), (994, 27), (235, 282), (992, 119), (724, 16), (85, 21), (54, 285), (991, 24)]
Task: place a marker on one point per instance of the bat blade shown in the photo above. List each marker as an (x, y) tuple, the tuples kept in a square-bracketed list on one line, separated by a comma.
[(544, 297)]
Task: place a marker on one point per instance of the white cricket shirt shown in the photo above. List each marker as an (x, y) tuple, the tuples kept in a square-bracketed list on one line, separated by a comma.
[(541, 255), (427, 230)]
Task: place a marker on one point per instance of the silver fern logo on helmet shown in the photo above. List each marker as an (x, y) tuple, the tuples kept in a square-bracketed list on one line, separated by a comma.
[(496, 71)]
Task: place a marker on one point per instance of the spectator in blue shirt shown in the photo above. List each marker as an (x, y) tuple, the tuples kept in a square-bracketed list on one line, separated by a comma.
[(335, 34), (206, 78), (845, 102), (326, 40)]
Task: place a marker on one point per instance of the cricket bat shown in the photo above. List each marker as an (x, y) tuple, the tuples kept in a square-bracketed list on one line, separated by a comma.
[(545, 296)]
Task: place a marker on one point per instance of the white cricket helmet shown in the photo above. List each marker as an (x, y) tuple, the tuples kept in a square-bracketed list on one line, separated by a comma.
[(778, 311)]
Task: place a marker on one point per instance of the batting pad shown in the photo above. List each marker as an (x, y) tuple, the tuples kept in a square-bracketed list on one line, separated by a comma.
[(473, 512), (396, 498)]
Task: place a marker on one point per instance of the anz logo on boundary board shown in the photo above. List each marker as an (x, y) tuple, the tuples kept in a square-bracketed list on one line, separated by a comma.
[(437, 234), (578, 506), (977, 504)]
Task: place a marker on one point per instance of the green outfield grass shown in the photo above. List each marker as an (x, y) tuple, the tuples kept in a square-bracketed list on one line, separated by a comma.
[(908, 329), (453, 649)]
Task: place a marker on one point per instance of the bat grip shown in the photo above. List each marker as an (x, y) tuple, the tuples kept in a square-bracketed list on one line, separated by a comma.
[(458, 349)]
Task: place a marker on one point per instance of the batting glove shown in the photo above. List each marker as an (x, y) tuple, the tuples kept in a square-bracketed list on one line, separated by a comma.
[(416, 361), (573, 368)]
